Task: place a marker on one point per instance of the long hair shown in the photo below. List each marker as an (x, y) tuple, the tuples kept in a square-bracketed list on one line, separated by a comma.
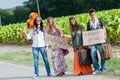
[(41, 25), (73, 27), (49, 27)]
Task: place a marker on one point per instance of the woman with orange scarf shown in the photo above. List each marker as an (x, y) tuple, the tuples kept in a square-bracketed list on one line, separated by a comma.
[(77, 44)]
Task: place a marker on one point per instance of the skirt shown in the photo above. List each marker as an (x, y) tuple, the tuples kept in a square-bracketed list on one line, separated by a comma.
[(79, 69)]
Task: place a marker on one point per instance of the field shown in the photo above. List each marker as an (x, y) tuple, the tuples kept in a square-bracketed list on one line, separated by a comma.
[(10, 33)]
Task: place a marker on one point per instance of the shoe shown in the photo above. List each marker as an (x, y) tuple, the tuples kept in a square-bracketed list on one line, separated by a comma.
[(49, 74), (96, 72), (103, 70), (35, 76), (62, 73)]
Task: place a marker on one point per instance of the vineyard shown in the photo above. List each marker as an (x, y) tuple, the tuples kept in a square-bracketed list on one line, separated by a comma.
[(111, 18)]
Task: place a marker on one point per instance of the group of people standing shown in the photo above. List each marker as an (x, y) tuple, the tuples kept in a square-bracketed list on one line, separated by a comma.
[(38, 33)]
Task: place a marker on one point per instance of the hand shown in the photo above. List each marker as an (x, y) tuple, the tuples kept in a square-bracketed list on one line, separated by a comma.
[(46, 49), (24, 31), (46, 36), (62, 35)]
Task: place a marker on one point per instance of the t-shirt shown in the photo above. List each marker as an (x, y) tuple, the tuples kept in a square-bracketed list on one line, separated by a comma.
[(98, 24), (77, 37)]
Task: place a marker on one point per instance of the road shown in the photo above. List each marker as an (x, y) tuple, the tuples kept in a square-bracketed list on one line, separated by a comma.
[(11, 71)]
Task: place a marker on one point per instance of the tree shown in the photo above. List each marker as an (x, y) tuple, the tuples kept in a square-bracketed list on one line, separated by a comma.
[(55, 8), (21, 14), (58, 8), (7, 16)]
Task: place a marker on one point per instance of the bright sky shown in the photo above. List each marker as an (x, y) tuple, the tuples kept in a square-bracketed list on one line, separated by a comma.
[(5, 4)]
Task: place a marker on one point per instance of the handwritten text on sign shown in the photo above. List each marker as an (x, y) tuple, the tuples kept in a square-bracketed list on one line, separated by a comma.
[(93, 37), (57, 41)]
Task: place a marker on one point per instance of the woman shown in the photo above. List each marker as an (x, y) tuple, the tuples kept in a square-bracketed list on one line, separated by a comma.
[(77, 44), (38, 45), (59, 64)]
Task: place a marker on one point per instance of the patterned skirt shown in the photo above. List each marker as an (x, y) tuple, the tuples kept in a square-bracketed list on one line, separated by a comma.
[(58, 60)]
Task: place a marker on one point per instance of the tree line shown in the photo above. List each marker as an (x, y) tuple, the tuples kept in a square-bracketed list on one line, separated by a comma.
[(55, 8)]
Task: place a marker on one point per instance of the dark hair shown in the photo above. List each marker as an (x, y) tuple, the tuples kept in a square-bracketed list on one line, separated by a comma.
[(73, 27), (41, 25), (92, 10)]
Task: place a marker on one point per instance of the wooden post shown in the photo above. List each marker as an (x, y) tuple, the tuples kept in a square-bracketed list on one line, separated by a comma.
[(38, 7)]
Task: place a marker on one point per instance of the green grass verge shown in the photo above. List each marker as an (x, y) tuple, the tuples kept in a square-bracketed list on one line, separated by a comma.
[(25, 58)]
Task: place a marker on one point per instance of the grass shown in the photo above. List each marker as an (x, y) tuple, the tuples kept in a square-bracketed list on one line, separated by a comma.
[(18, 57), (25, 58), (113, 66)]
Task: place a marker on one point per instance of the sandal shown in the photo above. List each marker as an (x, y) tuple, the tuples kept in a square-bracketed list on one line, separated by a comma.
[(62, 73)]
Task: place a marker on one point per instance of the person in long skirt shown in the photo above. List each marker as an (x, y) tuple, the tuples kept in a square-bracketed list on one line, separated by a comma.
[(58, 59), (77, 43)]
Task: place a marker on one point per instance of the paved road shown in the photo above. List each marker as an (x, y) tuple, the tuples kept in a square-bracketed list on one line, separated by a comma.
[(9, 71)]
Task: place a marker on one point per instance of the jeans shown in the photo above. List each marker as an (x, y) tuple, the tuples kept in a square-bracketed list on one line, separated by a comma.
[(94, 49), (35, 51)]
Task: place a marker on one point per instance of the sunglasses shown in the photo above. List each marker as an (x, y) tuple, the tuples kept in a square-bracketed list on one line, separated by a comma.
[(39, 20)]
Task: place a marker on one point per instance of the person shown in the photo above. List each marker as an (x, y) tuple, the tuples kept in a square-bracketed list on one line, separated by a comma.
[(77, 43), (58, 59), (38, 45), (93, 24)]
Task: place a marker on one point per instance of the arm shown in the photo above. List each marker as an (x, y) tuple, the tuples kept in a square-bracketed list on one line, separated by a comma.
[(105, 33), (21, 33), (101, 23), (102, 26), (30, 35), (59, 29), (88, 26)]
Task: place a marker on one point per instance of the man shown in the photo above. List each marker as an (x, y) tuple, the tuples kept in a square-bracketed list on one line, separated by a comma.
[(93, 24)]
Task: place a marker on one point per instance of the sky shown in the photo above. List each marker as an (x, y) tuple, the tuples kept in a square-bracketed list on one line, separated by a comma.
[(6, 4)]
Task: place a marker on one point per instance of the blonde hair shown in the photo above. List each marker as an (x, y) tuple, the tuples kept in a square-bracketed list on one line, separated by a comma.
[(49, 27)]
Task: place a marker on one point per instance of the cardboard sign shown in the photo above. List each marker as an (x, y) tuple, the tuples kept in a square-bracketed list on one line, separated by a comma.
[(93, 37), (56, 41)]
